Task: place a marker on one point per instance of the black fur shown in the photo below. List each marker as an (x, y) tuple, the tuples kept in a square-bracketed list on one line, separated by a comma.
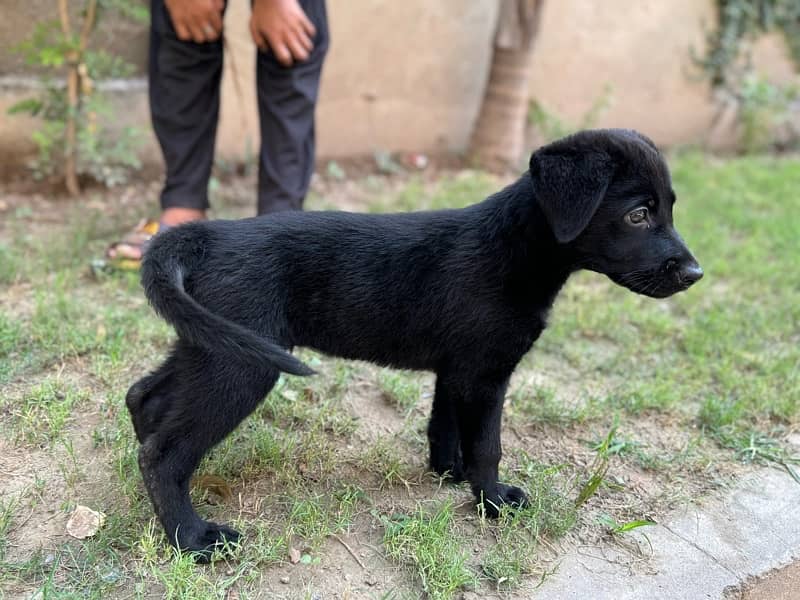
[(463, 293)]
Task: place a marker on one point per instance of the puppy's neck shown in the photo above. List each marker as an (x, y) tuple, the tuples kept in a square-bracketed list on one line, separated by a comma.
[(535, 265)]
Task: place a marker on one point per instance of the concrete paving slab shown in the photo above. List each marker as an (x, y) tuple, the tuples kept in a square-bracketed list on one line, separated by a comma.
[(697, 552), (749, 532)]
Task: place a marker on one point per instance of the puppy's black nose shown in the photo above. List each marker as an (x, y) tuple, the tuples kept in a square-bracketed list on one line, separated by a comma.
[(690, 273)]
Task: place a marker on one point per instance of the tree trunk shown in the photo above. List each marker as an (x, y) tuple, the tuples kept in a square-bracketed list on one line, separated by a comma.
[(498, 137), (70, 133), (78, 84)]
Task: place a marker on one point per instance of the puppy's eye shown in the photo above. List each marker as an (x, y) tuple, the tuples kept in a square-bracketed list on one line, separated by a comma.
[(637, 217)]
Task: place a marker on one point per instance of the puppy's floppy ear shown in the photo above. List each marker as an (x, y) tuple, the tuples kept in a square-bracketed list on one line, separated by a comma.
[(569, 184)]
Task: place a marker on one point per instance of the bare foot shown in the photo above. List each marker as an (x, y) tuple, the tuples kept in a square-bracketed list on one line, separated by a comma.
[(177, 216), (130, 247)]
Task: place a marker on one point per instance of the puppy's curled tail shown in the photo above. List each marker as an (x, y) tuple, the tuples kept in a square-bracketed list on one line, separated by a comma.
[(168, 260)]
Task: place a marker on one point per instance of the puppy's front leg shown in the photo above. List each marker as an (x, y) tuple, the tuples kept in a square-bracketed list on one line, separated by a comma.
[(479, 417), (443, 435)]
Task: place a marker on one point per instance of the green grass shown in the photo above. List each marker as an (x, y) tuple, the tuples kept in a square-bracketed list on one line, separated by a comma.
[(449, 192), (8, 508), (551, 513), (427, 542), (9, 264), (691, 387), (401, 389), (10, 347), (730, 341), (541, 404), (312, 518), (384, 460), (41, 414)]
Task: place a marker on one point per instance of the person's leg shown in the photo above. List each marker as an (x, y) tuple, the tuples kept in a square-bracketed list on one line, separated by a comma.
[(184, 80), (286, 100), (184, 83)]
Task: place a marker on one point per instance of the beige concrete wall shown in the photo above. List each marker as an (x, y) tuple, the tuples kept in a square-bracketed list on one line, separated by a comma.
[(406, 75), (410, 75), (640, 51), (399, 75)]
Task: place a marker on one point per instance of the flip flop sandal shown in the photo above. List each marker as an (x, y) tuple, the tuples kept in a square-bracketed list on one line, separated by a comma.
[(139, 237)]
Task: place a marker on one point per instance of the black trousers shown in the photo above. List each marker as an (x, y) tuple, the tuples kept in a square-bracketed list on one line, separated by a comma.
[(184, 80)]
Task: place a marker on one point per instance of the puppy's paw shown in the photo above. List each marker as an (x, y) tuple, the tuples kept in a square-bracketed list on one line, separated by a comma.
[(502, 495), (453, 472), (208, 539)]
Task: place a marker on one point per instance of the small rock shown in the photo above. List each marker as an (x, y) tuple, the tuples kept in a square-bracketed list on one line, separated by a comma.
[(294, 555), (111, 576), (84, 522), (285, 579)]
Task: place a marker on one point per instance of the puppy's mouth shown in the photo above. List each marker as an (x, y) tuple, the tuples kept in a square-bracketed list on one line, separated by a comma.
[(655, 283)]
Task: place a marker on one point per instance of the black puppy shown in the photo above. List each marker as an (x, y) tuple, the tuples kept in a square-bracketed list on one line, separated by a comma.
[(463, 293)]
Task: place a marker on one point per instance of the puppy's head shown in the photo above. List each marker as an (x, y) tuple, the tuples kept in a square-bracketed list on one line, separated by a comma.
[(607, 196)]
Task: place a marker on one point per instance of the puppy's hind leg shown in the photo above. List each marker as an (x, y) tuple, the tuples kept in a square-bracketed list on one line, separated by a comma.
[(212, 395), (149, 398)]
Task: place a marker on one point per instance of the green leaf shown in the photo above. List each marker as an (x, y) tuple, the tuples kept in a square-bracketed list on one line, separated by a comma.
[(608, 521), (632, 525), (307, 559), (29, 105), (792, 472), (51, 57), (135, 10), (590, 488), (615, 527)]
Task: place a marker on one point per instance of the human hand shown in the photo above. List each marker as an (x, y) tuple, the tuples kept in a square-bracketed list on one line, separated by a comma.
[(282, 26), (196, 20)]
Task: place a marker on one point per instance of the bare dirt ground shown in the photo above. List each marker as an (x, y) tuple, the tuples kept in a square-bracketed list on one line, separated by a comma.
[(782, 584)]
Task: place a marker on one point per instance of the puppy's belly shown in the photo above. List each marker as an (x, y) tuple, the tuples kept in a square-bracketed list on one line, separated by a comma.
[(401, 352)]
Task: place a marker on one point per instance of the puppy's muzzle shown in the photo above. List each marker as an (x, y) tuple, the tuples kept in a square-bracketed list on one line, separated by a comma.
[(686, 272)]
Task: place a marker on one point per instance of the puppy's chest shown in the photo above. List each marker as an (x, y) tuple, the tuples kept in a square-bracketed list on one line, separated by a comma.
[(528, 331), (510, 334)]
